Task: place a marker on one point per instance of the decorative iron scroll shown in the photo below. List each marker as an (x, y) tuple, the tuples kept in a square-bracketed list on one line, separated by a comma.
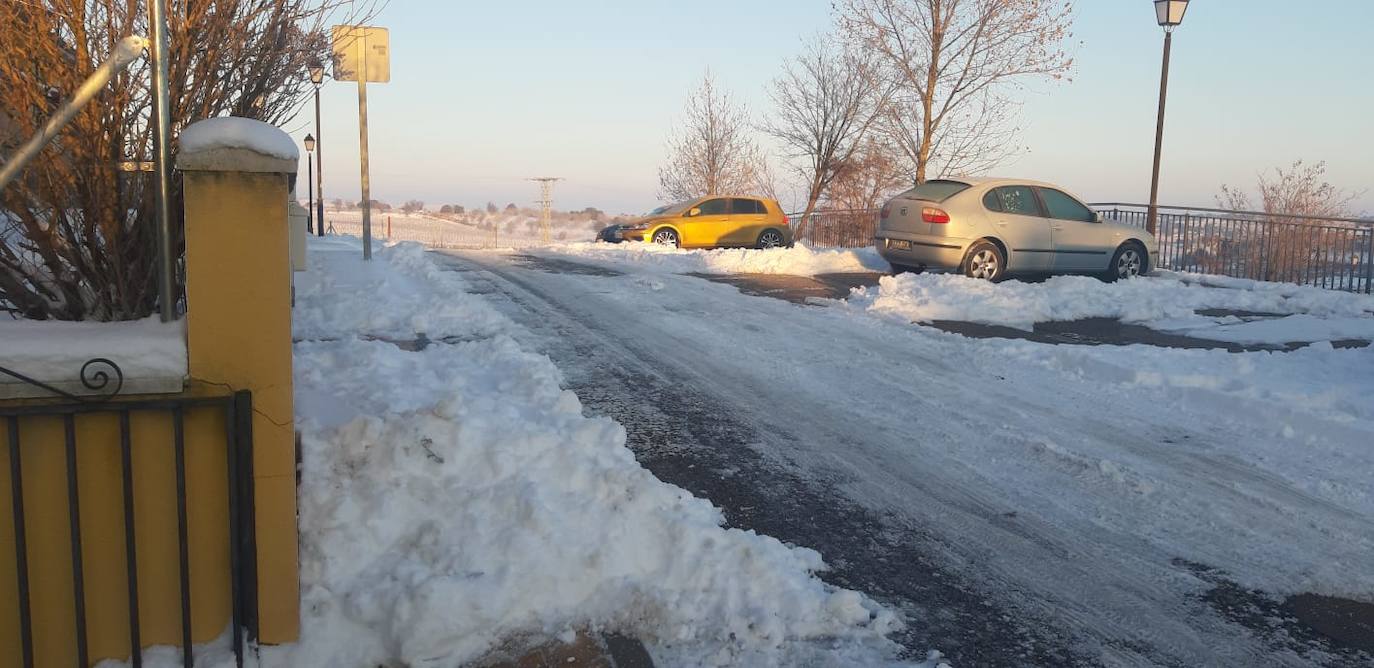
[(100, 375)]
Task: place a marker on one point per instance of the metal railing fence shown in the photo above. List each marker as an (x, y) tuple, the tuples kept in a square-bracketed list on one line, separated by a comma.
[(1326, 252), (837, 229)]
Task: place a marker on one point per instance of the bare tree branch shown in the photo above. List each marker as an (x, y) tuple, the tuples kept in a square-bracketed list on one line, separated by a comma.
[(951, 62)]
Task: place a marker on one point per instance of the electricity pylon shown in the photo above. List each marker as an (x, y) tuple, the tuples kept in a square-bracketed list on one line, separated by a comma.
[(546, 202)]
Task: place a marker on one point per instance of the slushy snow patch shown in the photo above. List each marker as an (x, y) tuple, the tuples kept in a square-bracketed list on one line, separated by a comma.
[(456, 497), (1290, 313), (798, 260), (233, 132)]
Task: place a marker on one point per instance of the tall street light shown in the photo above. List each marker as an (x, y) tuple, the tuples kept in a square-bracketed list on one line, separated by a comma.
[(317, 77), (1169, 14), (310, 179)]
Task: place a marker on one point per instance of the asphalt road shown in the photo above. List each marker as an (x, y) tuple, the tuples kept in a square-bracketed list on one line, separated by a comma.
[(981, 580)]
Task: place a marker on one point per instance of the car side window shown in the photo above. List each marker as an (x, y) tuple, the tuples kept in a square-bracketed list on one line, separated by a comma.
[(746, 206), (1064, 207), (714, 207), (1019, 200), (990, 201)]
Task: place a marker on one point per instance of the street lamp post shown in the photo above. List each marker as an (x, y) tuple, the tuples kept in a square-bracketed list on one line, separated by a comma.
[(1169, 14), (310, 179), (317, 78)]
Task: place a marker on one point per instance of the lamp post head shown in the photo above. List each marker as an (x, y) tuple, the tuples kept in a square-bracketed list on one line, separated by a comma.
[(1169, 13), (316, 70), (309, 143)]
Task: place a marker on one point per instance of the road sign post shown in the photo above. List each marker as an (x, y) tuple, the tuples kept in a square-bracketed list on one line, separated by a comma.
[(363, 54)]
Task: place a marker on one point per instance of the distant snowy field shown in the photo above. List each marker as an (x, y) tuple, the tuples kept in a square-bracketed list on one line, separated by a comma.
[(495, 231)]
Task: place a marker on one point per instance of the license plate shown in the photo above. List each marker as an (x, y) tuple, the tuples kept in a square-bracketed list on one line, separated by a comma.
[(899, 244)]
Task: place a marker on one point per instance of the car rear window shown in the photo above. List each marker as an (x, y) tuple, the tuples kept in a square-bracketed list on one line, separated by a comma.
[(936, 191)]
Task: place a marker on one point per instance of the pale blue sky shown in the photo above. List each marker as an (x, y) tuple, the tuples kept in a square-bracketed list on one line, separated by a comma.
[(485, 94)]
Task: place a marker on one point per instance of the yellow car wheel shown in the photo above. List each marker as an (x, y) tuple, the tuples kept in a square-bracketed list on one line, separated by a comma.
[(667, 236)]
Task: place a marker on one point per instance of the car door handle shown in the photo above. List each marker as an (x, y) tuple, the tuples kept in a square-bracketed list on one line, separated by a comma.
[(1001, 223), (1056, 227)]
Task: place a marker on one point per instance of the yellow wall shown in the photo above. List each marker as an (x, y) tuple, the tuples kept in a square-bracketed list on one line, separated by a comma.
[(238, 286), (238, 338)]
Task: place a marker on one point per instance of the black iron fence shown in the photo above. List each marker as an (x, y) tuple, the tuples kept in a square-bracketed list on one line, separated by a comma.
[(77, 415), (1332, 253)]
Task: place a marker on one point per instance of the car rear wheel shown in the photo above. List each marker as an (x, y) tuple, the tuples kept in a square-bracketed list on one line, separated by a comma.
[(770, 239), (667, 237), (985, 261), (1129, 262)]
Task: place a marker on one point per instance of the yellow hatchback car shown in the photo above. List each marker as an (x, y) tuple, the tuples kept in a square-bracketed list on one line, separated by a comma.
[(714, 222)]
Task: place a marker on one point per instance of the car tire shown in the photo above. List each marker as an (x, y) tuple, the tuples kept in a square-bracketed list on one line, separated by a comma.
[(1129, 261), (771, 239), (667, 236), (985, 261)]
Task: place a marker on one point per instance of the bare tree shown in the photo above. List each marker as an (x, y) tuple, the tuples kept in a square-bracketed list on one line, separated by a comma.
[(952, 62), (712, 152), (1289, 248), (826, 101), (76, 237), (868, 177), (1301, 190)]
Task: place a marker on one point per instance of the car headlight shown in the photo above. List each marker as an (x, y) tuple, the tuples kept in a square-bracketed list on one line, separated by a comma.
[(637, 227)]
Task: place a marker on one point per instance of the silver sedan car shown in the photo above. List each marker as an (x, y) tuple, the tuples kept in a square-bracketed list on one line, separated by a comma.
[(990, 228)]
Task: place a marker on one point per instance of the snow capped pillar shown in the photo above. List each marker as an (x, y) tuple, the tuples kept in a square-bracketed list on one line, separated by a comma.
[(237, 179)]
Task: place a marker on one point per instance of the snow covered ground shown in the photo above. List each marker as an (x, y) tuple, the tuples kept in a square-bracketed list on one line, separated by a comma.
[(494, 231), (1070, 485), (454, 497), (1168, 303)]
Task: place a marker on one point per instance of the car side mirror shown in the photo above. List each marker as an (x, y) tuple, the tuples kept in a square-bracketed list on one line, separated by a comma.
[(694, 212)]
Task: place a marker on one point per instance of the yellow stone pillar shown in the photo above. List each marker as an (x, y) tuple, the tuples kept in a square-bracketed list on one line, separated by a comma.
[(236, 182)]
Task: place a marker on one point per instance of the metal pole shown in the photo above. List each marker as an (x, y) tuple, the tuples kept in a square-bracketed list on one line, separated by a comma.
[(125, 52), (1151, 223), (319, 167), (367, 179), (162, 156), (310, 201)]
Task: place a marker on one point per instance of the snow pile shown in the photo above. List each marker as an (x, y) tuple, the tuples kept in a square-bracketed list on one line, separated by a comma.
[(342, 296), (455, 498), (1163, 303), (798, 260), (54, 351), (233, 132)]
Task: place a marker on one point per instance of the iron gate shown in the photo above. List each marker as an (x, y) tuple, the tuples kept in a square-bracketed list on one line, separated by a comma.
[(236, 409)]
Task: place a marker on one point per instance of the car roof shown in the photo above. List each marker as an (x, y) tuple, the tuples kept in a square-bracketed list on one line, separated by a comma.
[(997, 181)]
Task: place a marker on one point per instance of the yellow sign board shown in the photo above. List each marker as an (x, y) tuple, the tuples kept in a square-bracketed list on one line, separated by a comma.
[(365, 49)]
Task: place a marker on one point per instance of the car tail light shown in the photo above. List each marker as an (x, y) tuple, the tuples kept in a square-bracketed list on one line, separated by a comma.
[(786, 222), (934, 215), (887, 209)]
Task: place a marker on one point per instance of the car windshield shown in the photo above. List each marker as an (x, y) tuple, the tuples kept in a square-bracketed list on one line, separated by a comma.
[(936, 191), (672, 208)]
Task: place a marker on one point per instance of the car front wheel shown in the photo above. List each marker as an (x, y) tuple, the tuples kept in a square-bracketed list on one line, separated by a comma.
[(667, 237), (985, 261)]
